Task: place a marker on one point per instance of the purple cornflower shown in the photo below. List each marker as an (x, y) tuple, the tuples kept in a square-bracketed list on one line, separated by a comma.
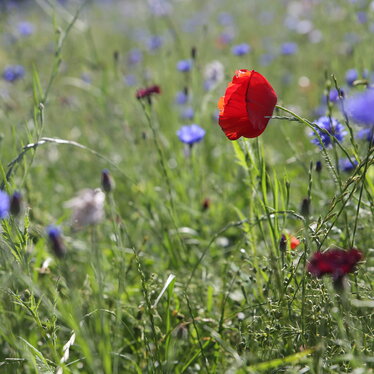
[(25, 28), (130, 80), (225, 19), (225, 38), (13, 72), (266, 59), (334, 95), (288, 48), (184, 65), (55, 240), (359, 107), (154, 42), (181, 97), (191, 134), (350, 76), (366, 133), (4, 204), (346, 165), (187, 113), (135, 56), (334, 129), (241, 49)]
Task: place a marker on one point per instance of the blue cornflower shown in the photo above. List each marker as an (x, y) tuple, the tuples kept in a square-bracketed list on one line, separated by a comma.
[(181, 97), (362, 17), (350, 76), (13, 72), (190, 134), (184, 65), (187, 113), (266, 59), (334, 95), (241, 49), (289, 48), (225, 38), (225, 19), (25, 28), (130, 80), (135, 56), (366, 133), (4, 204), (154, 42), (346, 165), (55, 240), (359, 107), (334, 129)]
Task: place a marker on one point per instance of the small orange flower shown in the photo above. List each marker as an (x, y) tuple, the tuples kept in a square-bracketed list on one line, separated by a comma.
[(248, 103)]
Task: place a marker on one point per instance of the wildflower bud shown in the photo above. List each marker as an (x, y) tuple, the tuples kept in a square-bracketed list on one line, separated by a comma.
[(283, 243), (205, 205), (318, 166), (55, 240), (185, 91), (107, 181), (193, 53), (116, 56), (15, 204), (305, 207), (181, 331)]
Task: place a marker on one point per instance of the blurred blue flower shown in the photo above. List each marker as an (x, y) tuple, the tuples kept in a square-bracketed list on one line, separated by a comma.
[(25, 28), (350, 76), (187, 113), (13, 72), (225, 19), (135, 56), (55, 240), (346, 165), (181, 97), (366, 133), (241, 49), (154, 42), (184, 65), (266, 59), (4, 204), (130, 80), (159, 7), (289, 48), (53, 231), (333, 127), (86, 77), (225, 38), (191, 134), (334, 95), (359, 107), (362, 17)]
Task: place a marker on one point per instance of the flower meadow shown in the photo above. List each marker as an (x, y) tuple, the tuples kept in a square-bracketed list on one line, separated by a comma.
[(186, 186)]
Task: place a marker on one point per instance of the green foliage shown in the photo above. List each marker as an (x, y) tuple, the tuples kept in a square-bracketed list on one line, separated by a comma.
[(185, 273)]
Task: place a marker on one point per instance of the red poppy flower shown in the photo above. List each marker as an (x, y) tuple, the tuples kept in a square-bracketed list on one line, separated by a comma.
[(335, 262), (146, 92), (294, 242), (248, 102)]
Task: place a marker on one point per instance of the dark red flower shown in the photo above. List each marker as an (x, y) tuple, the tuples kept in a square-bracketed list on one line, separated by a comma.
[(335, 262), (248, 103), (146, 92)]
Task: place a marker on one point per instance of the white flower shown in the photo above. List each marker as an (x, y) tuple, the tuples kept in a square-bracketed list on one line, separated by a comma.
[(88, 207), (214, 72)]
